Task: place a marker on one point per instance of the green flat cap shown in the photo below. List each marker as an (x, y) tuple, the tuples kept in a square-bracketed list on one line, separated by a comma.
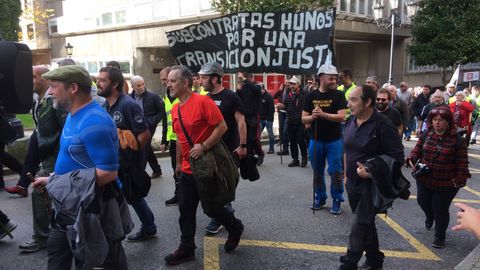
[(72, 74)]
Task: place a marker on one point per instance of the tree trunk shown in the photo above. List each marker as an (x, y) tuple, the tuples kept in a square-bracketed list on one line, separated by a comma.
[(443, 75)]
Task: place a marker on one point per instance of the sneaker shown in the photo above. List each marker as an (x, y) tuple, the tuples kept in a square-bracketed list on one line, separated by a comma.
[(294, 163), (304, 162), (260, 160), (438, 242), (283, 153), (213, 227), (141, 236), (233, 239), (172, 201), (156, 174), (271, 151), (7, 229), (179, 256), (33, 246), (23, 192), (336, 207), (318, 205)]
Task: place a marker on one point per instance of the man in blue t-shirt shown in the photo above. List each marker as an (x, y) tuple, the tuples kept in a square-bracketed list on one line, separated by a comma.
[(89, 140)]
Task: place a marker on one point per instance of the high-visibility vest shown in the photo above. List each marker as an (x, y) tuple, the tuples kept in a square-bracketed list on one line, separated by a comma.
[(202, 91), (171, 136), (347, 94)]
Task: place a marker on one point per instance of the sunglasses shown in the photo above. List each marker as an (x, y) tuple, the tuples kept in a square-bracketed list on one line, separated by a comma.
[(382, 99)]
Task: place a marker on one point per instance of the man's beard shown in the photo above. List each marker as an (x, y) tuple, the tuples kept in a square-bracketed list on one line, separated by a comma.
[(105, 92), (381, 106), (61, 106)]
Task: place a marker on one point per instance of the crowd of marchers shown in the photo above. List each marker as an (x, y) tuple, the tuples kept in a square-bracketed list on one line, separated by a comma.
[(87, 157)]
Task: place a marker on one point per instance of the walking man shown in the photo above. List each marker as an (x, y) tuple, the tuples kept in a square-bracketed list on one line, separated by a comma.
[(360, 146), (324, 110), (204, 123), (128, 116)]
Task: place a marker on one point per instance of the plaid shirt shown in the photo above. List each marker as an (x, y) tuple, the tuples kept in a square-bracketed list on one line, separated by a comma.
[(447, 159)]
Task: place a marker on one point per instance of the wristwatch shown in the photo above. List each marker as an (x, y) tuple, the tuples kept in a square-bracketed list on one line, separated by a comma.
[(243, 145)]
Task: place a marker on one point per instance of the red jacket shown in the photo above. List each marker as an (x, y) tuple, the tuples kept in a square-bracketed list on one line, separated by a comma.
[(462, 114)]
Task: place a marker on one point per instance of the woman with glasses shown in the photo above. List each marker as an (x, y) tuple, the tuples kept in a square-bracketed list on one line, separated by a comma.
[(440, 167)]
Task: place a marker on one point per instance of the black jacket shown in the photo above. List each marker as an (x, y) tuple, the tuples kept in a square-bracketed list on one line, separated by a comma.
[(294, 106), (420, 102), (388, 181), (250, 96), (267, 108), (153, 109)]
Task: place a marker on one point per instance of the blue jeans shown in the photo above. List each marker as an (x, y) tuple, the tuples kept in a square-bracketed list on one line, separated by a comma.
[(410, 127), (331, 152), (271, 138), (145, 215)]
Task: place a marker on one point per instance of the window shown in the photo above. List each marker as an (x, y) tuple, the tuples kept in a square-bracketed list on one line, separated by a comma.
[(120, 16), (52, 27), (30, 32), (107, 19), (353, 6), (125, 67), (92, 66), (343, 5)]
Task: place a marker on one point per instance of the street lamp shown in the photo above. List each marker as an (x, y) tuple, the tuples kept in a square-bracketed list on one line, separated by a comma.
[(378, 8), (69, 49)]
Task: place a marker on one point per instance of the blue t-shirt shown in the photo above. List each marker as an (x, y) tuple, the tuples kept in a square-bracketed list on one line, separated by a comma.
[(89, 139)]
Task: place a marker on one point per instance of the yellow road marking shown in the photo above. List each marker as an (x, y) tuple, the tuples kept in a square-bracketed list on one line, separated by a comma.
[(212, 257), (471, 190), (454, 200)]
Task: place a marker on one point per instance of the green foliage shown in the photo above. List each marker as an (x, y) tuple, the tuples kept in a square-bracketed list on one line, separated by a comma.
[(232, 6), (446, 33), (27, 120), (10, 12)]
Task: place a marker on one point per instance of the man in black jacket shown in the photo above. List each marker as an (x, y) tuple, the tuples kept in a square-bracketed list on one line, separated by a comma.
[(250, 94), (154, 112), (293, 104), (422, 100), (266, 117)]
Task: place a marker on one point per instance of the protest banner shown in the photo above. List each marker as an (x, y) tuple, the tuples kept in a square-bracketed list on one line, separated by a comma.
[(284, 42)]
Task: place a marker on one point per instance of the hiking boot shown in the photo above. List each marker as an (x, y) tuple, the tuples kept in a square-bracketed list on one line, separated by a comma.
[(7, 229), (141, 236), (33, 246), (438, 242), (180, 256), (304, 162), (336, 207), (23, 192), (294, 163), (213, 227), (156, 174), (234, 238), (283, 153), (172, 201)]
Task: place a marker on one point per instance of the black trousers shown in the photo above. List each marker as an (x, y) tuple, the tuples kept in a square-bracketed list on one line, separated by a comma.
[(8, 160), (363, 234), (60, 255), (435, 204), (150, 155), (188, 200), (31, 162), (253, 136), (296, 134), (173, 159)]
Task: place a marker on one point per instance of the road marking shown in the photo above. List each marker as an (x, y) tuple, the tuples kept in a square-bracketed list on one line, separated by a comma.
[(212, 257), (471, 190), (412, 197)]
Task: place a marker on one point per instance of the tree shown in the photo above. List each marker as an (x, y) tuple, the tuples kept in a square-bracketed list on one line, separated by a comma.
[(232, 6), (10, 12), (446, 34)]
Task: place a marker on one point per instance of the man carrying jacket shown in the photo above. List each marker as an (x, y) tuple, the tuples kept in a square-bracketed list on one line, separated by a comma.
[(154, 112), (204, 123), (360, 145), (89, 140)]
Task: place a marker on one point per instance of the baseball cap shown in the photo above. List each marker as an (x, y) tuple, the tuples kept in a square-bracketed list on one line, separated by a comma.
[(71, 74), (327, 69), (294, 80), (450, 85), (211, 68)]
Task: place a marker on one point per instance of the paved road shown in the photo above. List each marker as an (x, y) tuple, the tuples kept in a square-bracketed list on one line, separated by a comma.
[(280, 230)]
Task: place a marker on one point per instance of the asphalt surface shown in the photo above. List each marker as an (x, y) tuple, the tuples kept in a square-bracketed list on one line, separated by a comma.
[(281, 232)]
